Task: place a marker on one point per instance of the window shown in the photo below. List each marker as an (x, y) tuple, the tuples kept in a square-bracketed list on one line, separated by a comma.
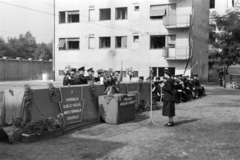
[(171, 41), (121, 13), (91, 43), (231, 3), (105, 14), (136, 39), (157, 12), (159, 71), (73, 44), (61, 73), (68, 44), (136, 8), (62, 17), (91, 15), (105, 42), (121, 42), (62, 44), (157, 42), (73, 16), (135, 74), (212, 3)]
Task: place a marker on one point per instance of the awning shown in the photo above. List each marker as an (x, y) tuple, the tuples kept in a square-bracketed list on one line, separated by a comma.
[(73, 12), (73, 39), (157, 11), (172, 39), (62, 43)]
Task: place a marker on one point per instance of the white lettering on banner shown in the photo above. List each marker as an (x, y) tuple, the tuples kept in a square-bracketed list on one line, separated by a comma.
[(72, 111), (72, 117), (128, 99), (72, 99), (72, 105), (127, 103)]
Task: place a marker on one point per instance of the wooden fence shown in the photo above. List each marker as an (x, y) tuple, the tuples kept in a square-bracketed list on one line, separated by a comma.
[(22, 69)]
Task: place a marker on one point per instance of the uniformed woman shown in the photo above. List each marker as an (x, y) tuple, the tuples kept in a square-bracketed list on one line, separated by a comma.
[(168, 98)]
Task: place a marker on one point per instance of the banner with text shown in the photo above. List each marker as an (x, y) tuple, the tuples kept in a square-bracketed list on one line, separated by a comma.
[(72, 104)]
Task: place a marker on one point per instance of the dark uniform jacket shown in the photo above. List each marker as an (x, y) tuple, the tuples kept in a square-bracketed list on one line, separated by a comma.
[(196, 82), (167, 90), (68, 80), (90, 78), (82, 79)]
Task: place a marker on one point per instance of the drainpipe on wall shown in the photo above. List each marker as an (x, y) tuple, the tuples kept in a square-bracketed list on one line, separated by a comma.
[(53, 57), (190, 44)]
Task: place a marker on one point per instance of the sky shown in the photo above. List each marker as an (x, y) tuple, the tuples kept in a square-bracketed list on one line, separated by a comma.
[(15, 20)]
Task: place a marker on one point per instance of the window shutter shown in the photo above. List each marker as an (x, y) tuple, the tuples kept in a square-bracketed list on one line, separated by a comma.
[(172, 39), (62, 43), (157, 11), (73, 12), (91, 15)]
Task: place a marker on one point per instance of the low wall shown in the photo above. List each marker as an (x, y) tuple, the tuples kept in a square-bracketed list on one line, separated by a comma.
[(20, 69), (44, 106)]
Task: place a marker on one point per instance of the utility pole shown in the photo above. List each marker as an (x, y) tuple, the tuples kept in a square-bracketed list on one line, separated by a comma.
[(53, 40)]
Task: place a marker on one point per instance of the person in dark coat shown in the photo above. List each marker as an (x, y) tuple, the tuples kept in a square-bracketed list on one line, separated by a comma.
[(168, 98), (80, 78), (66, 79), (90, 76), (100, 73)]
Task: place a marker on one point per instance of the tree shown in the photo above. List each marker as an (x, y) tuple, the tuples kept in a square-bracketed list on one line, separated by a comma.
[(3, 48), (43, 51), (23, 47), (226, 47)]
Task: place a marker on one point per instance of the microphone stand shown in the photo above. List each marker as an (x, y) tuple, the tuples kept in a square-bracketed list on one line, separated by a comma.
[(151, 111)]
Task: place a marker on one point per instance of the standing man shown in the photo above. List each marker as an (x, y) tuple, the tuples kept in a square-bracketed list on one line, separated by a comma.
[(169, 98), (80, 78), (220, 76), (90, 76)]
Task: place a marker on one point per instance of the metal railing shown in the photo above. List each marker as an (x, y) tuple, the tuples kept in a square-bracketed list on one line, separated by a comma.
[(179, 20), (177, 53)]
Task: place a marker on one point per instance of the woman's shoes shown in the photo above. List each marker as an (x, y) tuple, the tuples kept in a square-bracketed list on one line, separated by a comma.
[(169, 124)]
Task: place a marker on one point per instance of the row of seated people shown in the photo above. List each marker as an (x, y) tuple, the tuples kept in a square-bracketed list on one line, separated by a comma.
[(76, 77), (187, 88)]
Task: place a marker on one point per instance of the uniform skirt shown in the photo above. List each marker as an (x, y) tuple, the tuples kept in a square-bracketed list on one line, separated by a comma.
[(168, 108)]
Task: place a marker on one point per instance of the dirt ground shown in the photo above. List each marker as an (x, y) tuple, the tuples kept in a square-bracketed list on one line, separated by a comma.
[(206, 129)]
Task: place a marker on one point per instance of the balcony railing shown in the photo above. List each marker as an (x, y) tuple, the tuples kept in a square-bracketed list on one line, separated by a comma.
[(177, 21), (177, 53)]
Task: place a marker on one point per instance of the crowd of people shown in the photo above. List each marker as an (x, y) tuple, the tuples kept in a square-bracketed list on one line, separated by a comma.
[(175, 89), (76, 77), (186, 88)]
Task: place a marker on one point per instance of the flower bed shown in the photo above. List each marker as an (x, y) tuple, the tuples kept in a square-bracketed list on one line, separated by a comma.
[(29, 138), (43, 128)]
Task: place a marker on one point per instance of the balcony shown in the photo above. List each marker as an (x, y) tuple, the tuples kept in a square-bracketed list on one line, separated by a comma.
[(177, 53), (177, 21)]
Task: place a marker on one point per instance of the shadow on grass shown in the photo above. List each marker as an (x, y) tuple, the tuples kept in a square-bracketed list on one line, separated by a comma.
[(185, 122), (75, 147)]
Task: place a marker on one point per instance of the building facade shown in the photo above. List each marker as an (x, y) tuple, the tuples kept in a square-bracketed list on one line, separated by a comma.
[(137, 33)]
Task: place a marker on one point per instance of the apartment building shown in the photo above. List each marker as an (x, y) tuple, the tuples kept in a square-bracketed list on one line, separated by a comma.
[(139, 33)]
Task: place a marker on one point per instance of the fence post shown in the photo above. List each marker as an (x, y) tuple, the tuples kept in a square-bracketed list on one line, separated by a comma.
[(41, 67), (19, 61), (31, 66), (6, 68)]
